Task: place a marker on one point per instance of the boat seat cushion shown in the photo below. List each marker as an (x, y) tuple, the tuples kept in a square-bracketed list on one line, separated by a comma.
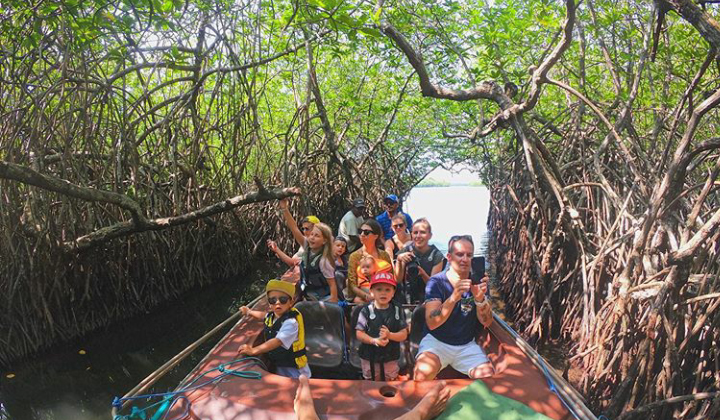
[(324, 335)]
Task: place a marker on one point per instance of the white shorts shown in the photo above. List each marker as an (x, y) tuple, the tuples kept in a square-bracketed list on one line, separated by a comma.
[(462, 358)]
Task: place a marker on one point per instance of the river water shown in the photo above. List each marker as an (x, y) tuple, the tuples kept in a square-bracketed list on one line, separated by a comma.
[(78, 381)]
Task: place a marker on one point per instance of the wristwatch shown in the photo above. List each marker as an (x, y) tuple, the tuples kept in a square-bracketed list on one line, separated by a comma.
[(482, 303)]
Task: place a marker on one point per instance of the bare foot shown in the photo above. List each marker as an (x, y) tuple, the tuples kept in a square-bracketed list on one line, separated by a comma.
[(303, 403), (431, 405)]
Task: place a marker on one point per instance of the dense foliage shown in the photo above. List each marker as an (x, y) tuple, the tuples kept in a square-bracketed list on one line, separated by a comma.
[(593, 124)]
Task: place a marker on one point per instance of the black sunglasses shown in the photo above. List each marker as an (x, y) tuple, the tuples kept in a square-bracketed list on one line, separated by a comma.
[(283, 300), (399, 225), (305, 229), (366, 232)]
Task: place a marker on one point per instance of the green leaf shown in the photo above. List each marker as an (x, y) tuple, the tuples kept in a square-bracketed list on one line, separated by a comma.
[(167, 6), (376, 15), (371, 31)]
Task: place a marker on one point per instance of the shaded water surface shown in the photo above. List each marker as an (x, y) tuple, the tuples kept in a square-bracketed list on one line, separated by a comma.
[(78, 381)]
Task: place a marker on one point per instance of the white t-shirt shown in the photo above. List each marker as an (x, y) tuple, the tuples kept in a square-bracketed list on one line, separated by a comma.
[(287, 335), (350, 225)]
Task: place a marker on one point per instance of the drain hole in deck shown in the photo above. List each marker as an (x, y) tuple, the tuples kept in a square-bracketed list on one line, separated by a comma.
[(388, 391)]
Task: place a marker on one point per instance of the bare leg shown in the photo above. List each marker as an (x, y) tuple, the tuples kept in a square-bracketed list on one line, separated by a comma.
[(427, 367), (303, 404), (484, 370), (432, 404)]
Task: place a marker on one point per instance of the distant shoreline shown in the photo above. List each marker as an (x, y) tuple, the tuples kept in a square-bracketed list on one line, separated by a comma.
[(442, 184)]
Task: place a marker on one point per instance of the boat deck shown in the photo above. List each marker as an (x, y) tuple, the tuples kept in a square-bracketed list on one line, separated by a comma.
[(271, 397)]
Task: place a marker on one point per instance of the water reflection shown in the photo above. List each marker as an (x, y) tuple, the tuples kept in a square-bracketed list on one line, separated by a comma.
[(460, 210)]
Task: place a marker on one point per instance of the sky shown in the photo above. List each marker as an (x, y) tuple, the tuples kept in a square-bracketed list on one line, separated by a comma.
[(464, 176)]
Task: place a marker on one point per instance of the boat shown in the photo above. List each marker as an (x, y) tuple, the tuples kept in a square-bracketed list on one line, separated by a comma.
[(223, 387)]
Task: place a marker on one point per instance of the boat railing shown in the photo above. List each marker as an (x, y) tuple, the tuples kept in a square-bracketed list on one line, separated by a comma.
[(151, 379), (570, 397)]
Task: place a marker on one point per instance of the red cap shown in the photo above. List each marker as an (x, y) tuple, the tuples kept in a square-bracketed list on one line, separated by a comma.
[(383, 277)]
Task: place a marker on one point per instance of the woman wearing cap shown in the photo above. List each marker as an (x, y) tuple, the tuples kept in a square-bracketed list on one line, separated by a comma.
[(371, 235), (284, 331)]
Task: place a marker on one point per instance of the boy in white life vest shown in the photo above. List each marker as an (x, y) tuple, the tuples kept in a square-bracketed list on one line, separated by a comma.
[(381, 327), (284, 331)]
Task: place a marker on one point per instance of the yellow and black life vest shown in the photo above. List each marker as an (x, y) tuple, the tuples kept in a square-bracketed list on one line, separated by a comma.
[(294, 356)]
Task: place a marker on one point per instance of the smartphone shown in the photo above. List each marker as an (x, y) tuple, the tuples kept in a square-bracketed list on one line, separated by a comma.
[(477, 267)]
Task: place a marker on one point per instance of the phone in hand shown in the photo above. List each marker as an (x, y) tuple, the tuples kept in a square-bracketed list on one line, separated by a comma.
[(477, 269)]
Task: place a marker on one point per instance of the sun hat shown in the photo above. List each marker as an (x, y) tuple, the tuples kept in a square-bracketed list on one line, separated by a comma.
[(280, 286)]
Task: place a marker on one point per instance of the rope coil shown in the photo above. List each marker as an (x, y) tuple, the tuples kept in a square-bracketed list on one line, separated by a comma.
[(169, 399)]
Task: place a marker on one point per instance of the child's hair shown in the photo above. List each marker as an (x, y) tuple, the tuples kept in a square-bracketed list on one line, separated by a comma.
[(343, 240), (366, 258), (328, 236)]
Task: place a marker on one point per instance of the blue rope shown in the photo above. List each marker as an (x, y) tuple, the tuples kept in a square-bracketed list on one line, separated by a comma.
[(550, 381), (170, 398)]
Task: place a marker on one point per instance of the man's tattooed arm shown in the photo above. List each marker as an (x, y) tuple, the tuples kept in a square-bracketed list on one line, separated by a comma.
[(437, 313)]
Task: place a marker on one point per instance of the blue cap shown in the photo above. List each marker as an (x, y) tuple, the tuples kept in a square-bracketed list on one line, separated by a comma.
[(392, 197)]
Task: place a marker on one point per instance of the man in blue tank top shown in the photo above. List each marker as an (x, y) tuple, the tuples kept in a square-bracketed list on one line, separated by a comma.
[(392, 207), (454, 311)]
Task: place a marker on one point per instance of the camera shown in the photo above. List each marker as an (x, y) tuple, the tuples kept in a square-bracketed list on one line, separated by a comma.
[(413, 270)]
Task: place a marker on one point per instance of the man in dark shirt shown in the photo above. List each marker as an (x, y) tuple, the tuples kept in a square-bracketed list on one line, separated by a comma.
[(454, 311)]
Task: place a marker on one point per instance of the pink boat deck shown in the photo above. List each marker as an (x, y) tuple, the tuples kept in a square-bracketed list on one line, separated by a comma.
[(271, 397)]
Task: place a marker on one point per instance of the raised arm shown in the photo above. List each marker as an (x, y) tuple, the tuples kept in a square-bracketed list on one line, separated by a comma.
[(255, 314), (290, 222), (282, 255)]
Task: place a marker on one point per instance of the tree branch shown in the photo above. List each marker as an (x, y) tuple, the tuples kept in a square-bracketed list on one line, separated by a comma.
[(30, 176), (484, 90), (124, 228), (704, 23)]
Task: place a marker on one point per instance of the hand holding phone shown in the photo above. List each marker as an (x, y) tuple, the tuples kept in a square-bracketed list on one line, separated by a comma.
[(477, 267)]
